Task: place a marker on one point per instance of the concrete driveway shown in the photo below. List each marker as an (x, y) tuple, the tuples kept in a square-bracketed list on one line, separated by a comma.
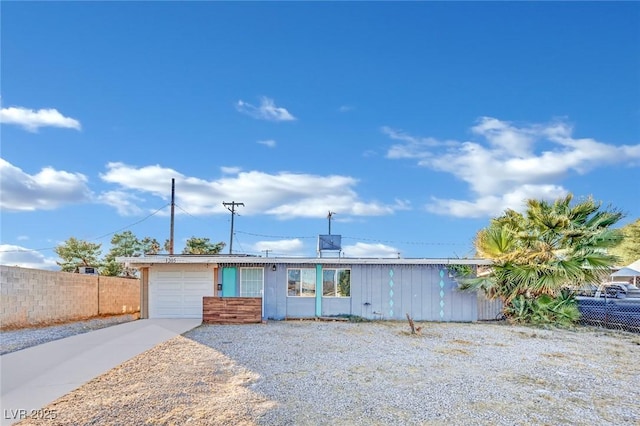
[(36, 376)]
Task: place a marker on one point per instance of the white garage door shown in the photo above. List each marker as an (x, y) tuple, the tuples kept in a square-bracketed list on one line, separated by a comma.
[(179, 293)]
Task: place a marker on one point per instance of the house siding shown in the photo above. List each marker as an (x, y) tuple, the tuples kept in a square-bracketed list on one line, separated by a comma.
[(334, 306), (387, 291), (423, 291)]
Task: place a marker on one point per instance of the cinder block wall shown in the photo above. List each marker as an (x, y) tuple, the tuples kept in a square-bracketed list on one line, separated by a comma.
[(118, 295), (37, 297)]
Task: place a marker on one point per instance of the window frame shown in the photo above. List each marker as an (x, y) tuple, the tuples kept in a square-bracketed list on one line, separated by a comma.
[(300, 288), (336, 282), (242, 281)]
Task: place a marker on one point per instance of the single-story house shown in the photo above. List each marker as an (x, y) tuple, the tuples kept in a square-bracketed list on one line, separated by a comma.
[(629, 273), (173, 286)]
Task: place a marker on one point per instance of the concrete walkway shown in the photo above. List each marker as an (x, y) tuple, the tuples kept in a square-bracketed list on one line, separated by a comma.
[(34, 377)]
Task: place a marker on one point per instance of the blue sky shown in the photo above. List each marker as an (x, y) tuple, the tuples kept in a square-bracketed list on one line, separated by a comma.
[(415, 122)]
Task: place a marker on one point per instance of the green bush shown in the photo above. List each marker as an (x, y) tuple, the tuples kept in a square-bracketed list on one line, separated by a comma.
[(544, 309)]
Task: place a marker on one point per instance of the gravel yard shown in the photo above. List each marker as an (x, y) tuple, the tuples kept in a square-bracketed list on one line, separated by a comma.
[(14, 340), (370, 373)]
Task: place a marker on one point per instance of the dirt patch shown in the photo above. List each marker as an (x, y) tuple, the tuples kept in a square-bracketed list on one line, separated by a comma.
[(326, 373), (177, 382), (53, 323)]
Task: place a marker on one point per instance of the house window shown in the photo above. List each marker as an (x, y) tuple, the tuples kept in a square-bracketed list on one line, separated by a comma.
[(251, 282), (336, 282), (301, 282)]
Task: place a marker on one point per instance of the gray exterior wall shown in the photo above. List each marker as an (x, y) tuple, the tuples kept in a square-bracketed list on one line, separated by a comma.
[(377, 292), (332, 306), (423, 291), (488, 309)]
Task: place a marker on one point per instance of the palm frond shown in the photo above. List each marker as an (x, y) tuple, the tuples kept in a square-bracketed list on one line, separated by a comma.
[(551, 246)]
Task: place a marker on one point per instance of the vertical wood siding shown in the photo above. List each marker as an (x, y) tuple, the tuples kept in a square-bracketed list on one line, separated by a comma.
[(488, 310), (377, 292)]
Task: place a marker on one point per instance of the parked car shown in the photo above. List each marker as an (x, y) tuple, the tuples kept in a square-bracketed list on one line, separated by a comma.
[(611, 313), (617, 290), (588, 290)]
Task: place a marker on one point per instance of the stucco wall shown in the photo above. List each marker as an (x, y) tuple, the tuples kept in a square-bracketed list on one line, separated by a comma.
[(32, 296)]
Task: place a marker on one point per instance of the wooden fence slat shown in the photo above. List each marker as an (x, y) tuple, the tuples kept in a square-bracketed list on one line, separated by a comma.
[(231, 310)]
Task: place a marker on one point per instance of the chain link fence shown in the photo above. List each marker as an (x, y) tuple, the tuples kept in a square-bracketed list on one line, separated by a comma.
[(608, 312)]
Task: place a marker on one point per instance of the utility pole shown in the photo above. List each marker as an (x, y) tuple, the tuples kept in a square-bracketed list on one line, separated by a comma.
[(233, 205), (173, 209), (267, 252), (329, 216)]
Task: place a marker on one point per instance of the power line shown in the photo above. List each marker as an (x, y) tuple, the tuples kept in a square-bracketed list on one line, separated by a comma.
[(274, 236), (27, 250), (240, 244), (189, 214), (357, 239), (133, 224), (91, 239), (417, 243)]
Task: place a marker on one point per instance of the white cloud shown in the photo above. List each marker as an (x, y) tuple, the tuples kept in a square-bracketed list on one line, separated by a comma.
[(402, 205), (494, 205), (32, 120), (45, 190), (292, 247), (346, 108), (316, 205), (123, 202), (153, 179), (376, 250), (12, 255), (411, 146), (230, 170), (506, 168), (503, 136), (284, 195), (269, 143), (267, 110), (400, 135)]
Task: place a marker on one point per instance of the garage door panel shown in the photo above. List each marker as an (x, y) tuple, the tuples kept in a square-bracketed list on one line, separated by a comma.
[(192, 305), (190, 299), (196, 275), (168, 312), (178, 294), (167, 275), (169, 287), (194, 286), (166, 299)]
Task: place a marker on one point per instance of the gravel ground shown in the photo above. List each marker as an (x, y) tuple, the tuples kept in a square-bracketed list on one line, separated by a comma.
[(14, 340), (372, 373)]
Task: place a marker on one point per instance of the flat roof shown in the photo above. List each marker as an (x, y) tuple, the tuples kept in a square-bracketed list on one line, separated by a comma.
[(145, 261)]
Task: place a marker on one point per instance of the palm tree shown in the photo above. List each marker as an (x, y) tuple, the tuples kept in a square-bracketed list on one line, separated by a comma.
[(541, 252)]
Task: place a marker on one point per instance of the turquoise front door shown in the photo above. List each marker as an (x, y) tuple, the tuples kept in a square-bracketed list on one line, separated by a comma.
[(229, 282)]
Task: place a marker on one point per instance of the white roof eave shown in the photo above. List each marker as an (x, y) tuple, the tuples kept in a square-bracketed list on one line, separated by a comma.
[(146, 261)]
